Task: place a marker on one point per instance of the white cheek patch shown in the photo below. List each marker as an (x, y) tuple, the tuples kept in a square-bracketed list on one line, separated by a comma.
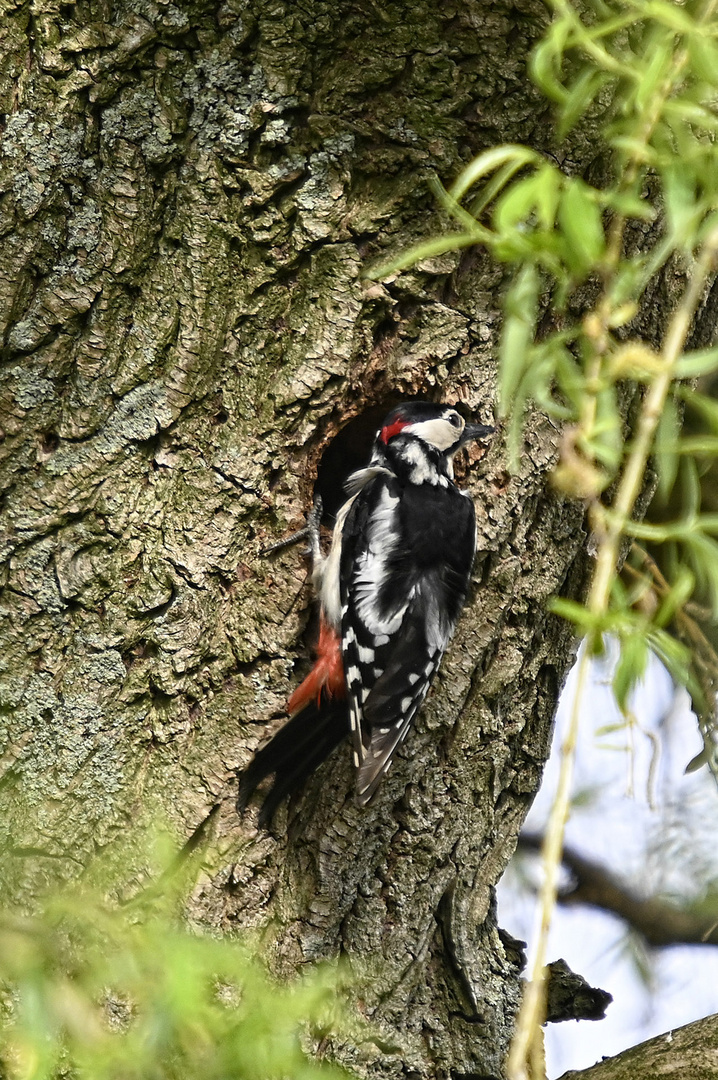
[(438, 433)]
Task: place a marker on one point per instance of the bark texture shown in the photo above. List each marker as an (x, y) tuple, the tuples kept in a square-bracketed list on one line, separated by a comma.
[(687, 1053), (190, 193)]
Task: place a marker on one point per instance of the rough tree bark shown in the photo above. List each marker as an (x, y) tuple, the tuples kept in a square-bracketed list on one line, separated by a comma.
[(686, 1053), (190, 193)]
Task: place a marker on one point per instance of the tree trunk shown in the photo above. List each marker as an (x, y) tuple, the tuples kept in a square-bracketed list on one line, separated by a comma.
[(190, 196)]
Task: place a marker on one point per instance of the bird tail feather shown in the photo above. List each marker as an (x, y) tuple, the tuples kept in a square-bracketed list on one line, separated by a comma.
[(293, 754)]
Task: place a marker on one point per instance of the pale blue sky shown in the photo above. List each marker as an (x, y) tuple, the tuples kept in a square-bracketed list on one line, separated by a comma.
[(667, 847)]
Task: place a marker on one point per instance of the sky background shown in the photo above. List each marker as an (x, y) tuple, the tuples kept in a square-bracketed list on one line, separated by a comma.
[(637, 812)]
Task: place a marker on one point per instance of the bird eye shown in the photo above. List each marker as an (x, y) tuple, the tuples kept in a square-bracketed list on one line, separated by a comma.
[(455, 419)]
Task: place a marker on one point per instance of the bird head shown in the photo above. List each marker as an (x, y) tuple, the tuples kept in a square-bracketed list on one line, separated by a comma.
[(439, 428), (421, 430)]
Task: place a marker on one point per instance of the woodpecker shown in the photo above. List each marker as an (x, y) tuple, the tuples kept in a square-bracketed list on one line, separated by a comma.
[(390, 593)]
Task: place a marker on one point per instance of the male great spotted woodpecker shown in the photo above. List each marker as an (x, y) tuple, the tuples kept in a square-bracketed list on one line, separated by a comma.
[(390, 590)]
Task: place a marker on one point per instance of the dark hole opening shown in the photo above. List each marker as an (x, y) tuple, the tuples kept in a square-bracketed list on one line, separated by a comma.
[(349, 450), (50, 442)]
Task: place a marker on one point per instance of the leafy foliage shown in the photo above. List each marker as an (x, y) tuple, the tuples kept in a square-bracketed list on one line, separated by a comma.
[(647, 72), (105, 991)]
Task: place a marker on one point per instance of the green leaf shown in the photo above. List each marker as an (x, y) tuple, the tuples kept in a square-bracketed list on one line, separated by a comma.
[(606, 438), (680, 592), (516, 204), (630, 668), (625, 283), (429, 249), (538, 192), (546, 60), (690, 488), (702, 758), (670, 15), (703, 553), (517, 334), (656, 534), (569, 373), (631, 205), (488, 162), (492, 188), (584, 620), (699, 445), (679, 190), (666, 447), (455, 209), (705, 406), (708, 523), (696, 363), (580, 220), (708, 226), (610, 729), (548, 183), (660, 55), (680, 112), (633, 147), (703, 53), (579, 97), (674, 655)]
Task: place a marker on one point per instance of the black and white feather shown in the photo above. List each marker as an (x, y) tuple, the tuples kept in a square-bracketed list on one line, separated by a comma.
[(406, 557), (391, 591)]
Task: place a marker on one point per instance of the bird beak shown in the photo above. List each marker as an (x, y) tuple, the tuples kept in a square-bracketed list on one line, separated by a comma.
[(474, 433)]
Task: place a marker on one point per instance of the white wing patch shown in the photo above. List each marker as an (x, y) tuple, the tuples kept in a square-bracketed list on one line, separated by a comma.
[(372, 571)]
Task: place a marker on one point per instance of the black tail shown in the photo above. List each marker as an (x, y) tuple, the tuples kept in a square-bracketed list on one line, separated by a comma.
[(293, 754)]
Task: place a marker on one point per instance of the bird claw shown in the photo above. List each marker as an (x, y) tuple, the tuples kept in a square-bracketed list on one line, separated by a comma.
[(310, 532)]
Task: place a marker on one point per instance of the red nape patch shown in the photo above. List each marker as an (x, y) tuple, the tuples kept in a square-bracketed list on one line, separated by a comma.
[(391, 430), (327, 673)]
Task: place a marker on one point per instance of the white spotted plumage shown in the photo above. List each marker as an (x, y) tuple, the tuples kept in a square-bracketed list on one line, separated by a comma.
[(407, 546), (391, 590)]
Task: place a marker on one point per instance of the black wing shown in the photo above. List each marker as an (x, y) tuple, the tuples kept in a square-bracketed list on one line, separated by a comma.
[(406, 558)]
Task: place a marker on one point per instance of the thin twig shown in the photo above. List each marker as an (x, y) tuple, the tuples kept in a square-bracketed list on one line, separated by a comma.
[(527, 1036)]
